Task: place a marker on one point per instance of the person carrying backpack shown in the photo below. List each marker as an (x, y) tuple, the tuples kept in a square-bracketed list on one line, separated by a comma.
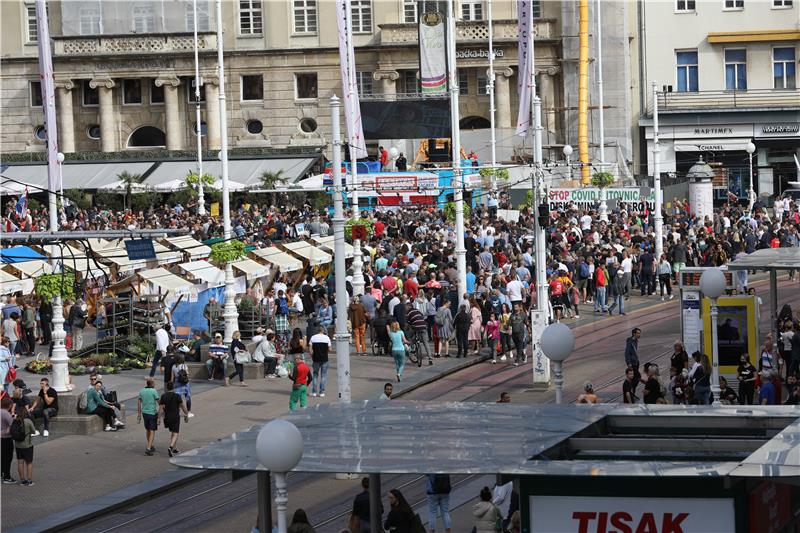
[(438, 493), (7, 442), (21, 431), (180, 377)]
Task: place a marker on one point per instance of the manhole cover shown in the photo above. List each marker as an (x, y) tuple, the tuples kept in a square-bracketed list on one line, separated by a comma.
[(250, 402)]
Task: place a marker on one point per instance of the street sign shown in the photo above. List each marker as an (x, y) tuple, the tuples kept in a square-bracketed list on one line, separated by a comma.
[(140, 249)]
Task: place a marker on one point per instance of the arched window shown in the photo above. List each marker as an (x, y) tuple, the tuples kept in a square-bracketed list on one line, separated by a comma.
[(474, 123), (147, 137)]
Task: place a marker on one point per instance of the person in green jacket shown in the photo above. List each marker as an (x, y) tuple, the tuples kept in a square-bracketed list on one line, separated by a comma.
[(97, 405)]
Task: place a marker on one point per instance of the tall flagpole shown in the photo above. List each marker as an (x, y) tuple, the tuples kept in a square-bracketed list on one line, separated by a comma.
[(201, 201), (492, 109), (351, 90), (58, 358), (603, 192), (457, 183)]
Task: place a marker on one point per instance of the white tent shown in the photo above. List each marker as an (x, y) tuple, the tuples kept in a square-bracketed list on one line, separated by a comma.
[(284, 261), (313, 255), (205, 271), (186, 244), (166, 281)]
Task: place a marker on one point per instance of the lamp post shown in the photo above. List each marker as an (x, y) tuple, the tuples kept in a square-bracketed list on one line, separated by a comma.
[(60, 158), (201, 201), (712, 284), (751, 194), (567, 153), (557, 343), (279, 447)]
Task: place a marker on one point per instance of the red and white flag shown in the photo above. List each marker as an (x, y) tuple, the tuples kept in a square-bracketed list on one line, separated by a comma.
[(525, 69), (352, 106)]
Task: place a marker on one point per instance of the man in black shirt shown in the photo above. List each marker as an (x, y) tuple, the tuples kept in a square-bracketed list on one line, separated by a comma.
[(45, 405), (652, 389), (628, 387), (167, 362), (647, 268), (361, 508)]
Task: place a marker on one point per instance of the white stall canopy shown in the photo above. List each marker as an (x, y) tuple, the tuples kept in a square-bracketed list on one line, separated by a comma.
[(188, 245), (167, 281), (313, 255), (206, 272), (282, 260), (251, 269)]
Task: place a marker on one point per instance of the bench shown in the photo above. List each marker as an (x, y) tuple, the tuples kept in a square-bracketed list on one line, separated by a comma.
[(199, 371), (69, 421)]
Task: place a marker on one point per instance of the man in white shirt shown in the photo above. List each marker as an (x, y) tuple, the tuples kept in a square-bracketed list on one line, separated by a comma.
[(392, 303), (514, 290), (162, 343), (586, 222), (627, 271)]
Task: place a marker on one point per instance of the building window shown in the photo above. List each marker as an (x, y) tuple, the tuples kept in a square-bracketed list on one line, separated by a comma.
[(782, 3), (305, 85), (156, 93), (252, 87), (41, 133), (93, 131), (684, 5), (537, 8), (89, 95), (308, 125), (410, 81), (36, 94), (254, 127), (364, 83), (90, 21), (362, 16), (190, 91), (32, 35), (687, 71), (203, 16), (783, 68), (734, 4), (483, 80), (305, 16), (472, 9), (735, 70), (144, 19), (203, 129), (250, 21), (463, 82), (409, 11), (131, 92)]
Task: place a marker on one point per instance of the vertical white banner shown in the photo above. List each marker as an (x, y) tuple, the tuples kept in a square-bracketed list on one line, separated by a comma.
[(525, 56), (432, 53), (352, 106)]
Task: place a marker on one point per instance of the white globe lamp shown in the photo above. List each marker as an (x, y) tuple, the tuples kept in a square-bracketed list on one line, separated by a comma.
[(279, 448), (557, 343)]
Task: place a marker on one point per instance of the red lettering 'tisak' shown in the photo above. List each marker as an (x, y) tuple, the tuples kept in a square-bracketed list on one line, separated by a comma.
[(618, 521), (583, 518), (647, 524), (672, 523)]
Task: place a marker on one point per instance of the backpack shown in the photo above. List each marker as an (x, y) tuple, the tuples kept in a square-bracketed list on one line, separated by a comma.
[(283, 306), (17, 430), (183, 376), (441, 484), (584, 271), (83, 401)]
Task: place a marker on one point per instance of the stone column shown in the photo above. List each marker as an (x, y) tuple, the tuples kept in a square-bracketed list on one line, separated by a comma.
[(108, 135), (388, 79), (211, 83), (172, 111), (548, 95), (66, 124), (503, 98)]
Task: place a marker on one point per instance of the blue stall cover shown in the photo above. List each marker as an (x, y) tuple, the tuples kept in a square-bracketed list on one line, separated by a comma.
[(191, 313), (20, 254)]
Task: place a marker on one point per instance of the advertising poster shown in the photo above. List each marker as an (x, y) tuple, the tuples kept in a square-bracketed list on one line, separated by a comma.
[(432, 53), (737, 330), (691, 324)]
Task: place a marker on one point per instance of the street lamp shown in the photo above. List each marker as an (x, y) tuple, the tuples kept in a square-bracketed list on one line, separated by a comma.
[(557, 343), (712, 284), (567, 153), (751, 194), (279, 447), (60, 158)]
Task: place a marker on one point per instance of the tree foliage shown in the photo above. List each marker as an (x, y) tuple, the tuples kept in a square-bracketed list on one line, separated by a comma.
[(602, 179), (450, 210)]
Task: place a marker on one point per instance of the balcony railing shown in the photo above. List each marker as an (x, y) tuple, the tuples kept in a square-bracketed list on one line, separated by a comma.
[(755, 98), (132, 44), (468, 31)]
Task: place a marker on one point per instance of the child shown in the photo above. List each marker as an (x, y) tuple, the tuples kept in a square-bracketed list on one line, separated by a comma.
[(25, 452)]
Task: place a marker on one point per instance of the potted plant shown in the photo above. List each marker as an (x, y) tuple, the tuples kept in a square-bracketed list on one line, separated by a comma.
[(601, 180), (227, 251), (49, 286), (497, 173), (369, 227)]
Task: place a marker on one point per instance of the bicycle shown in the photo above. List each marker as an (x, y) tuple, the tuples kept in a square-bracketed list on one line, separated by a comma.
[(418, 349)]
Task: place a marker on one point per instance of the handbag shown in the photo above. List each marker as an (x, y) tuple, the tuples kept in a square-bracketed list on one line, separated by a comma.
[(498, 521), (416, 526), (111, 396), (11, 375)]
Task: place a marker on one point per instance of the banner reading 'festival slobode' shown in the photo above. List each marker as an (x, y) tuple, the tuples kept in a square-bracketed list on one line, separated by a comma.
[(630, 197), (432, 53)]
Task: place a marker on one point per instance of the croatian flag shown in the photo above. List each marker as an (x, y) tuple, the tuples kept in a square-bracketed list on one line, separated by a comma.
[(22, 205)]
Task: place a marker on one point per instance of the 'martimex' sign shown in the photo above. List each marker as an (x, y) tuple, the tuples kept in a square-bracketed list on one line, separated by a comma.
[(556, 514)]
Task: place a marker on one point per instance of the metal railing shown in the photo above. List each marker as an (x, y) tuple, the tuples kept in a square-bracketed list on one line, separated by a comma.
[(754, 98)]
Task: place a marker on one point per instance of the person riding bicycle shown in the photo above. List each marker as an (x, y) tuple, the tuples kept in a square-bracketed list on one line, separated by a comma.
[(417, 326), (380, 323)]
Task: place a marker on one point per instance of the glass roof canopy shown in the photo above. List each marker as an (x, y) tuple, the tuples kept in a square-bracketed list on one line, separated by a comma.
[(529, 439)]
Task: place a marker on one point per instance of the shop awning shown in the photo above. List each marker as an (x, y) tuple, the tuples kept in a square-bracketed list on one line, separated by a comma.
[(33, 269), (282, 260), (165, 256), (167, 281), (206, 272), (711, 145), (245, 171), (76, 260), (188, 245), (251, 269), (313, 255), (10, 284), (326, 243), (20, 254), (119, 256), (76, 175)]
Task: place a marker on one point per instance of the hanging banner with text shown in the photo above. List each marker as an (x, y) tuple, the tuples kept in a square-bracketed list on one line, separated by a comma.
[(432, 53), (629, 198), (563, 514)]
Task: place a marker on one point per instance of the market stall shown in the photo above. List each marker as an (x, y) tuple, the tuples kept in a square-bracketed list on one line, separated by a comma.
[(192, 249), (326, 243), (283, 261), (204, 272)]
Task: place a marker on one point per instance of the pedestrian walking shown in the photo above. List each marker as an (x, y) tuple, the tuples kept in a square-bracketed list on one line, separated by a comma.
[(443, 322), (360, 517), (487, 515), (162, 344), (320, 345), (301, 378), (21, 432), (438, 494), (147, 409), (632, 356), (180, 378), (401, 517), (518, 322), (240, 356), (358, 323), (171, 406), (7, 448), (399, 344)]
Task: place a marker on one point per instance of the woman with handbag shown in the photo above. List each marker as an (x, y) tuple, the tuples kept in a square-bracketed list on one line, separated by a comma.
[(488, 518), (240, 356)]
